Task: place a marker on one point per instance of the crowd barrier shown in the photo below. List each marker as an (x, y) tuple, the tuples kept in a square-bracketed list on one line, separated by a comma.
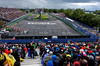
[(48, 40)]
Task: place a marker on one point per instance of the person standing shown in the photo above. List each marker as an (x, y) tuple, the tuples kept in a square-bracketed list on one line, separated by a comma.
[(17, 57), (32, 49)]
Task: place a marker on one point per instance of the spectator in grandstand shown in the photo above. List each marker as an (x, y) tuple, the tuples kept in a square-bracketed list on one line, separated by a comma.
[(10, 13)]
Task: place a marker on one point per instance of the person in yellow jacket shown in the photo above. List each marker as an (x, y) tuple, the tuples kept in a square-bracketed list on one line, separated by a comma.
[(12, 58), (8, 60)]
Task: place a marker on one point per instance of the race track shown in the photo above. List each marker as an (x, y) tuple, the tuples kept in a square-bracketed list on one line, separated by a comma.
[(51, 27)]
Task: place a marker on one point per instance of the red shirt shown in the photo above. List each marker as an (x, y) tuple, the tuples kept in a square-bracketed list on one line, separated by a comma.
[(6, 51), (9, 52), (25, 50), (90, 51)]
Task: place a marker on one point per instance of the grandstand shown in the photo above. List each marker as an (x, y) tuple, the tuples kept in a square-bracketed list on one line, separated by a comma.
[(10, 13)]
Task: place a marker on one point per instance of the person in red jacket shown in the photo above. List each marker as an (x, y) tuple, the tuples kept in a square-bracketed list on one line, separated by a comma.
[(25, 49), (6, 51), (89, 51), (9, 52)]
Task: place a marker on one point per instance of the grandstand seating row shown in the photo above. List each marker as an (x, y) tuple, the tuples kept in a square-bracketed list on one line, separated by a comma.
[(10, 13)]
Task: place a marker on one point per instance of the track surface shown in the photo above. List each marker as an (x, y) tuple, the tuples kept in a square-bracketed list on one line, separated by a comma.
[(51, 27)]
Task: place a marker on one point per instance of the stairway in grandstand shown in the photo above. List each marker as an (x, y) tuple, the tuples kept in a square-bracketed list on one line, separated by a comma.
[(32, 62)]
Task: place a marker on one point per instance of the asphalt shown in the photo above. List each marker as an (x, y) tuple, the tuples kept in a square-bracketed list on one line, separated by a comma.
[(51, 27)]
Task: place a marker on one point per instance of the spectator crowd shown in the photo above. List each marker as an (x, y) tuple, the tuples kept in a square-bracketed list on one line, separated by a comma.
[(13, 54), (52, 54), (11, 13), (70, 54)]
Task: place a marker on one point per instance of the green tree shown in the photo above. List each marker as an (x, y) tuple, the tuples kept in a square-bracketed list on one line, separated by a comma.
[(22, 10), (62, 10), (55, 10), (50, 10), (88, 18), (46, 10), (97, 12), (69, 12), (31, 10), (77, 14)]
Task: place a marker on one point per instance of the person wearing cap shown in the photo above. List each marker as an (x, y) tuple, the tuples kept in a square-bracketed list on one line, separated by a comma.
[(46, 54), (48, 57), (69, 63)]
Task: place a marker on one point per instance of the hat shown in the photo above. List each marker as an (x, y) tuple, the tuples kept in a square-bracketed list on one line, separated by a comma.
[(47, 51), (91, 57), (50, 52), (68, 55)]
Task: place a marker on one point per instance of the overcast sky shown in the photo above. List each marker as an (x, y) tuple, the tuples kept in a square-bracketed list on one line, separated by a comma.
[(56, 4)]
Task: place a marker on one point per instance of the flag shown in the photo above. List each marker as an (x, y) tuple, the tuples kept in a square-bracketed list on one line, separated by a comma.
[(13, 38), (5, 43)]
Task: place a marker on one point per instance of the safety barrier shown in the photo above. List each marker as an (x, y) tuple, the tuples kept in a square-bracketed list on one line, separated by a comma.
[(49, 40)]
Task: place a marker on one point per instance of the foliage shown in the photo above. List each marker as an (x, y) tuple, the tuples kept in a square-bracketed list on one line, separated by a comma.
[(62, 10), (46, 10), (86, 18), (44, 17), (22, 10), (31, 10), (56, 10), (69, 13), (50, 10), (97, 12)]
